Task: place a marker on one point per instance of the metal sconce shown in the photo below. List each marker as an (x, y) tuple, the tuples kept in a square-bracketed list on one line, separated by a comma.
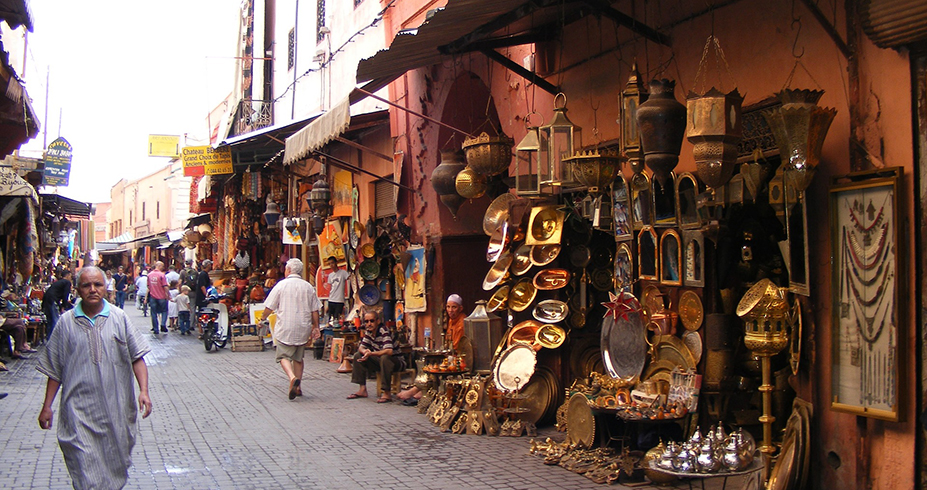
[(631, 98), (559, 139), (271, 213), (527, 163)]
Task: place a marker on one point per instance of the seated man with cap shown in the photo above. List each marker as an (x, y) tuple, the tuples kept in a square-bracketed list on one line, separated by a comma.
[(454, 332)]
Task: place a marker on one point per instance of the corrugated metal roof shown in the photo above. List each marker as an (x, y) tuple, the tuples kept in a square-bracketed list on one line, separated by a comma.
[(894, 23), (415, 50)]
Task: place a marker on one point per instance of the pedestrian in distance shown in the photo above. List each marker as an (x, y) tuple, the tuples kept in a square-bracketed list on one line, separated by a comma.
[(120, 281), (141, 292), (158, 296), (297, 307), (57, 297), (92, 358), (183, 309), (203, 283)]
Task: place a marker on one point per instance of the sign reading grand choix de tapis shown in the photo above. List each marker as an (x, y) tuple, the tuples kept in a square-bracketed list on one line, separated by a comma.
[(206, 160), (58, 163)]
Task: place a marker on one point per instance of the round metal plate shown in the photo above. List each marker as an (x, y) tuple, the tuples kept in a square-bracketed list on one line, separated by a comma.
[(672, 349), (498, 242), (690, 310), (603, 280), (498, 272), (693, 341), (785, 471), (538, 393), (367, 250), (498, 299), (550, 336), (514, 368), (551, 311), (497, 213), (580, 255), (545, 225), (624, 345), (580, 421)]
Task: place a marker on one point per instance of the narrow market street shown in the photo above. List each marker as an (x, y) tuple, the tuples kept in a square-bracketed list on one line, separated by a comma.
[(222, 420)]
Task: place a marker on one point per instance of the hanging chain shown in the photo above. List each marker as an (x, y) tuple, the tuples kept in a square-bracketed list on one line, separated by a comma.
[(702, 74)]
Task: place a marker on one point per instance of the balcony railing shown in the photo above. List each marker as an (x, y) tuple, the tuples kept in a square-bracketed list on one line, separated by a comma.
[(253, 115)]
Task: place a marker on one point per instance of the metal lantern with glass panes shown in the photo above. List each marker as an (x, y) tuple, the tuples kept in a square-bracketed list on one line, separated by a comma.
[(527, 163), (320, 197), (484, 330), (559, 140), (631, 98), (271, 213)]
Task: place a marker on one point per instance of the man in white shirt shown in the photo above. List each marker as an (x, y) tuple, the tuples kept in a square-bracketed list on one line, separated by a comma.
[(297, 307), (172, 276), (336, 280)]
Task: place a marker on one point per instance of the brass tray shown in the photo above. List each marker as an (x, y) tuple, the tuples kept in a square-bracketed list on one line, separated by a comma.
[(514, 367), (368, 251), (521, 262), (542, 255), (498, 242), (497, 212), (690, 310), (522, 295), (545, 226), (539, 394), (580, 422), (660, 370), (785, 473), (548, 279), (498, 272), (672, 349), (498, 299), (693, 341), (623, 345), (550, 336)]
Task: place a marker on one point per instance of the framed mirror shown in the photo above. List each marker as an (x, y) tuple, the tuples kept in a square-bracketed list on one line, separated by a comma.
[(664, 202), (647, 256), (641, 201), (624, 268), (687, 189), (670, 258), (621, 214), (693, 264), (735, 190)]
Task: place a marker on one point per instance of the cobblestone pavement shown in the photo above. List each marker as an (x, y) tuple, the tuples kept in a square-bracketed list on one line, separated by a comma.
[(222, 420)]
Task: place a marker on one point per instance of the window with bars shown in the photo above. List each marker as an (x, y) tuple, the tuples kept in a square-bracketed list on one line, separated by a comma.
[(320, 21), (291, 49)]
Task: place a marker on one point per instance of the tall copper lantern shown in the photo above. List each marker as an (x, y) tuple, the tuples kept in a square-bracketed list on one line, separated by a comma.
[(715, 128), (800, 127), (444, 179), (662, 124)]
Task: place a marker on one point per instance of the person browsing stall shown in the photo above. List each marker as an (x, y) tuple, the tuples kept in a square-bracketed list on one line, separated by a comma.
[(374, 353), (336, 281), (93, 357), (56, 298), (297, 307)]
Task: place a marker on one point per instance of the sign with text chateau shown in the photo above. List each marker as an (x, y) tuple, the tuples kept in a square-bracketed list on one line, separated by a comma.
[(206, 160)]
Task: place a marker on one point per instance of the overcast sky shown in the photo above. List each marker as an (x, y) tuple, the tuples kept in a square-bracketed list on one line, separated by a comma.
[(121, 70)]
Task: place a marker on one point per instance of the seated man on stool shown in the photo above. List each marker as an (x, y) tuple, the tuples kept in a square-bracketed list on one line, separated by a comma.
[(375, 353), (13, 324)]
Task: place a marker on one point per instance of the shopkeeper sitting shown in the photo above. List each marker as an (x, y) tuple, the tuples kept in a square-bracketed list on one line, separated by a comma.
[(374, 353), (455, 320), (13, 324)]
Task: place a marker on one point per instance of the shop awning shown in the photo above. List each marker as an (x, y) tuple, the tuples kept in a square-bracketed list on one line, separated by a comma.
[(12, 185), (198, 220), (63, 206), (321, 131), (464, 26), (264, 145), (115, 242)]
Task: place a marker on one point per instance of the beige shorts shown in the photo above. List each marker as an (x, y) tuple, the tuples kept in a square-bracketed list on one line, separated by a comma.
[(294, 353)]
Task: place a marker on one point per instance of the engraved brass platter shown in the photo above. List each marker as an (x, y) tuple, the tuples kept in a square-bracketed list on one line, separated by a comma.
[(624, 345), (538, 395), (672, 349), (690, 310), (580, 422), (368, 251), (542, 255), (497, 212), (693, 341)]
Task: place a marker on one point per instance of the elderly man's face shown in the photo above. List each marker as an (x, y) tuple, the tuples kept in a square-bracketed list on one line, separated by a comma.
[(453, 310), (370, 322), (91, 288)]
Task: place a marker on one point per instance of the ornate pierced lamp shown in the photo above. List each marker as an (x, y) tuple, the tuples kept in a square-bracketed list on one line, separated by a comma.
[(320, 197), (271, 213), (800, 127), (559, 140), (715, 128)]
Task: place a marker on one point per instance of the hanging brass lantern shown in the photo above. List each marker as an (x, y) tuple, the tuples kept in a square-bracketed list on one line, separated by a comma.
[(528, 164), (271, 213), (632, 97), (715, 128), (320, 197), (489, 155), (559, 140), (444, 178), (595, 169), (471, 184), (800, 127), (662, 124)]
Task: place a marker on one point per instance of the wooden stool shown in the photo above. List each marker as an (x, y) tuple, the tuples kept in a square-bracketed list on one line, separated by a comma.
[(395, 382)]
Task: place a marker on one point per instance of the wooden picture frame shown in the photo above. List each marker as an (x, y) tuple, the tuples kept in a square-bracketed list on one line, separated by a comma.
[(868, 258), (624, 268), (670, 258)]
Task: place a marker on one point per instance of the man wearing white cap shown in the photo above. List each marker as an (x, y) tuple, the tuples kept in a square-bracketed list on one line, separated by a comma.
[(455, 320)]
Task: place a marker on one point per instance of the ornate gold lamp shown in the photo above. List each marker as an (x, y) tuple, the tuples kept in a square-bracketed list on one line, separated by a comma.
[(715, 128), (800, 127), (488, 155), (765, 311), (559, 140)]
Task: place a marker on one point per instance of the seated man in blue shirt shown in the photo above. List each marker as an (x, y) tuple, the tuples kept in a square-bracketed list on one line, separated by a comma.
[(374, 353)]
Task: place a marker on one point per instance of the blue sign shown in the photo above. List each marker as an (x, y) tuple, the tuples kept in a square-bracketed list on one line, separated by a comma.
[(58, 163)]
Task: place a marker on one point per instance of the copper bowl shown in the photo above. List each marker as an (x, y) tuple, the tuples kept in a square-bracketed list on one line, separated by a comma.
[(551, 279), (542, 255), (522, 262), (498, 272), (522, 295)]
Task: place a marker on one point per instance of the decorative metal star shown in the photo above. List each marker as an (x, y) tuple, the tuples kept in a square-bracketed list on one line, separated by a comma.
[(619, 306)]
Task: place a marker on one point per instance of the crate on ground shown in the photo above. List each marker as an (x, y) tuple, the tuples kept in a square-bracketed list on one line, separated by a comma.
[(245, 338)]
